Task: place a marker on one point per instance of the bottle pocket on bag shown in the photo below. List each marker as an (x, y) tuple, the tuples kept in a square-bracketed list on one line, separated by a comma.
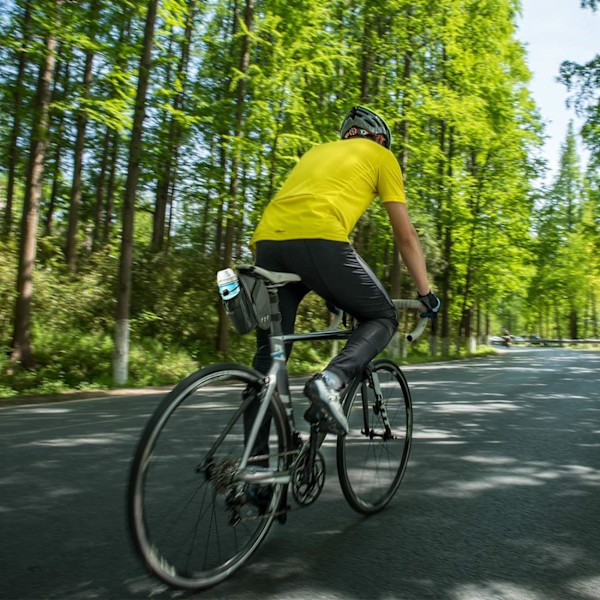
[(250, 308)]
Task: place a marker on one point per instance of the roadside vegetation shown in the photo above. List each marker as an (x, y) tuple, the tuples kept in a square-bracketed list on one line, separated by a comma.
[(140, 141)]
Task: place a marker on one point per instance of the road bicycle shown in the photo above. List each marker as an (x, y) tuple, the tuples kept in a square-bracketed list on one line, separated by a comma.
[(204, 491)]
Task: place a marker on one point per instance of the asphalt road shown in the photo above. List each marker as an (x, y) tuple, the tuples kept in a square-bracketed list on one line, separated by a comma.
[(500, 499)]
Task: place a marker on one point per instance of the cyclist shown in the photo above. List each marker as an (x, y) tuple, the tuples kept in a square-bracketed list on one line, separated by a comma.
[(305, 230)]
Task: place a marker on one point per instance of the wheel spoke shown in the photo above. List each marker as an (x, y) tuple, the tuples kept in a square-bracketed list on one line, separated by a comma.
[(371, 466), (194, 531)]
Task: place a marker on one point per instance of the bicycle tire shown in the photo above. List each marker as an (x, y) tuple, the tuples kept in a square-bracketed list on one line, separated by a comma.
[(182, 506), (371, 468)]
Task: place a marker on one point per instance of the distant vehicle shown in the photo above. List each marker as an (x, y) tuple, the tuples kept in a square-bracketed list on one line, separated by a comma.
[(506, 340), (501, 340)]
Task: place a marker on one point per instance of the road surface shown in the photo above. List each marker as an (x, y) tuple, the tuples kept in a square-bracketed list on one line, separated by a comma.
[(501, 499)]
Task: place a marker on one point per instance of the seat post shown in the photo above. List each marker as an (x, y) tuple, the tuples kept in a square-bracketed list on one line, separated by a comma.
[(275, 312), (278, 352)]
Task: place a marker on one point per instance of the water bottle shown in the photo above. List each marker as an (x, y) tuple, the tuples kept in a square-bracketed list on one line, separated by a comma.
[(229, 284)]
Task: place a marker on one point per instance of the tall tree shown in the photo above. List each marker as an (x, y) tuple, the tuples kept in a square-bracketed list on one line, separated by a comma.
[(559, 282), (82, 119), (583, 82), (57, 133), (121, 335), (21, 344), (17, 112), (175, 125), (118, 88), (233, 205)]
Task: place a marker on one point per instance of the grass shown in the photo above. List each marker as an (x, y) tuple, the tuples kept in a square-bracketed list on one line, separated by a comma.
[(150, 365), (83, 363)]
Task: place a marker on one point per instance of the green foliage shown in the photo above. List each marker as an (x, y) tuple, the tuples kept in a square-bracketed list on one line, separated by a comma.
[(151, 363), (583, 81), (81, 360), (566, 281), (449, 76), (7, 290), (175, 300)]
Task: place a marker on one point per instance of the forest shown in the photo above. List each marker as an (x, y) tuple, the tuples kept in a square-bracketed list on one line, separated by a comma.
[(141, 139)]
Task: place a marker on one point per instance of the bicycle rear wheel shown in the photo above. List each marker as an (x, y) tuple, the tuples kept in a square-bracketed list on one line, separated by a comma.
[(192, 521), (371, 459)]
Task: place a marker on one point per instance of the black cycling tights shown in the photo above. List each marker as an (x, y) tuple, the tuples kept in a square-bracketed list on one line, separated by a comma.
[(335, 272)]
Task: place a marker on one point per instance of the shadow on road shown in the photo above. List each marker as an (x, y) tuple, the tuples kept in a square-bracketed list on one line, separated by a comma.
[(500, 499)]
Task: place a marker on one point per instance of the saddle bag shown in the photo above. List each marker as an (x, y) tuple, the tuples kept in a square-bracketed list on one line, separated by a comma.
[(250, 307)]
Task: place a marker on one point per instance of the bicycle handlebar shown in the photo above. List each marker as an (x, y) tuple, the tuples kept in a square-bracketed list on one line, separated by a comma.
[(411, 304), (420, 327)]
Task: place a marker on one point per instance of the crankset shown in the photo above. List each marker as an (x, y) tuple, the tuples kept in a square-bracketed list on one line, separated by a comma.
[(308, 476)]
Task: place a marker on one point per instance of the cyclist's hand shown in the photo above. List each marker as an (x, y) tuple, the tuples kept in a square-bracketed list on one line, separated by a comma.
[(431, 303)]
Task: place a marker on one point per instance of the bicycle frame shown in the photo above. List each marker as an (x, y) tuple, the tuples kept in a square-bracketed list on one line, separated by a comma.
[(277, 379)]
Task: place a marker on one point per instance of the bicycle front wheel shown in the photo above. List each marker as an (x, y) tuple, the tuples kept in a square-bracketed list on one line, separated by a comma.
[(192, 520), (372, 458)]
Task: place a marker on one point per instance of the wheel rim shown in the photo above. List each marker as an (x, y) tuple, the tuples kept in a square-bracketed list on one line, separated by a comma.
[(191, 520), (371, 467)]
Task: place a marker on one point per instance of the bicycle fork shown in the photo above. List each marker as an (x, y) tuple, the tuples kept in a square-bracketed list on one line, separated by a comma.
[(373, 383)]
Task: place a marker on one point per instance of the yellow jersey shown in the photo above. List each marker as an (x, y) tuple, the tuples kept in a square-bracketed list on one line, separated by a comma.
[(329, 189)]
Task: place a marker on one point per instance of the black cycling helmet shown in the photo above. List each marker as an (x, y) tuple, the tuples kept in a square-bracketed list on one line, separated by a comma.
[(364, 119)]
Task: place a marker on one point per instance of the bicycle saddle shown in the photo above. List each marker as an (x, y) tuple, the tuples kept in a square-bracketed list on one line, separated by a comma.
[(276, 277)]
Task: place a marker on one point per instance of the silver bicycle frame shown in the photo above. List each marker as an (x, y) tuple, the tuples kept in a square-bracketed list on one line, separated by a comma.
[(277, 379)]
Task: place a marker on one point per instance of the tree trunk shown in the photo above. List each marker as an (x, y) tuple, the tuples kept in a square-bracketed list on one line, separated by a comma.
[(557, 320), (121, 339), (366, 65), (75, 200), (55, 190), (100, 185), (21, 343), (573, 324), (170, 204), (57, 133), (232, 210), (110, 191), (13, 145), (446, 219), (168, 171), (240, 106), (396, 278), (106, 217), (474, 238)]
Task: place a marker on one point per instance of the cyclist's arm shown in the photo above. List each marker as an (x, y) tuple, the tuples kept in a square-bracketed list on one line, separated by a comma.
[(408, 244)]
